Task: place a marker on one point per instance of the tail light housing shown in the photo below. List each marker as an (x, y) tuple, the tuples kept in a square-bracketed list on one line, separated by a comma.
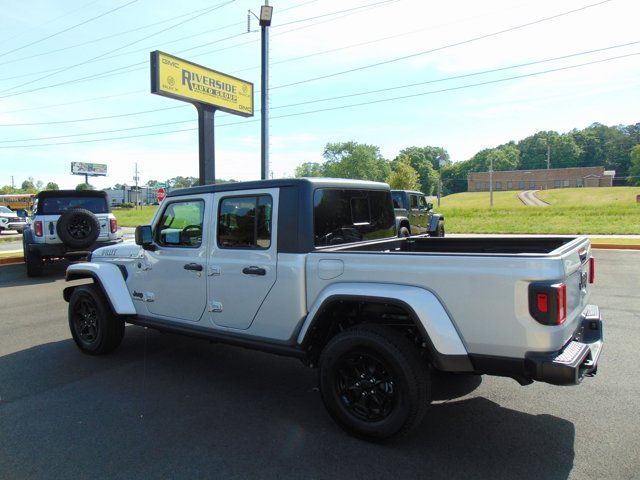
[(37, 228), (113, 225), (592, 269), (548, 302)]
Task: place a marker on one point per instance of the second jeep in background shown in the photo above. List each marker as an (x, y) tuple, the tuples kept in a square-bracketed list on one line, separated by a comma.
[(415, 215)]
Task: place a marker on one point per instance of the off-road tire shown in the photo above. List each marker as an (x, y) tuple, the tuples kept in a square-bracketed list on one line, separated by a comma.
[(411, 383), (87, 306), (404, 232), (33, 262), (439, 230), (78, 228)]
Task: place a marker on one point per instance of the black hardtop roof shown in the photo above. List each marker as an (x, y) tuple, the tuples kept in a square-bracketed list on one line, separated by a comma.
[(315, 182), (71, 193)]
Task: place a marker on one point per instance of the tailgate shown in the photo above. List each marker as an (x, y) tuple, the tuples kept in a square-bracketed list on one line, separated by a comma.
[(577, 265)]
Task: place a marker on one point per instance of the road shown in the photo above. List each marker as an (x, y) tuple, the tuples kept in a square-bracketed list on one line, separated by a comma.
[(529, 197), (164, 406)]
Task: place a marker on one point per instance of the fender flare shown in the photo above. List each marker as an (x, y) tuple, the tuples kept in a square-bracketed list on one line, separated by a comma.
[(426, 309), (435, 218), (109, 277)]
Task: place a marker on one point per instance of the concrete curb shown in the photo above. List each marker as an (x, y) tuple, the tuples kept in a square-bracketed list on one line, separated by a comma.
[(11, 260), (613, 246)]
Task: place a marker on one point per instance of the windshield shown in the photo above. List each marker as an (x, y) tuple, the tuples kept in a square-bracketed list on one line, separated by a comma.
[(56, 205), (4, 209)]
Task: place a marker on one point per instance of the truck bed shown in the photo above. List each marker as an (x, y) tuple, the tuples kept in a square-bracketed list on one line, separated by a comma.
[(468, 246)]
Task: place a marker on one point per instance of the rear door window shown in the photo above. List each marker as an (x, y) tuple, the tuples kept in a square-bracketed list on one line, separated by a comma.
[(245, 222), (397, 199)]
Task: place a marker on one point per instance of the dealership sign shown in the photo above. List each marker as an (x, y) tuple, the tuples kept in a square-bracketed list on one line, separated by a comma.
[(89, 169), (177, 78)]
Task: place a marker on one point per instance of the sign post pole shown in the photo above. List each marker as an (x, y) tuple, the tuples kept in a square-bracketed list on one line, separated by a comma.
[(206, 144)]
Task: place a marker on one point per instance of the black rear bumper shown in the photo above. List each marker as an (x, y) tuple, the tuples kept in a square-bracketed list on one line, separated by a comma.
[(577, 359)]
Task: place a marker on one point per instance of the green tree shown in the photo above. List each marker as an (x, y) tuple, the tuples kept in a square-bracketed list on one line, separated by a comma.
[(404, 176), (634, 169), (152, 183), (52, 186), (84, 186), (355, 160), (28, 185), (183, 182), (309, 169)]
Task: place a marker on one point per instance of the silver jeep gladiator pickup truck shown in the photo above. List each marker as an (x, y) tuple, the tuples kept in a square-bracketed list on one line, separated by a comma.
[(313, 269)]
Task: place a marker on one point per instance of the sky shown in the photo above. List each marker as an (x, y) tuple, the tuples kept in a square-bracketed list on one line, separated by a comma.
[(392, 73)]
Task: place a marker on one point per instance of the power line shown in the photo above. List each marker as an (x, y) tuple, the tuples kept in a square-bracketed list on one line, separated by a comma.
[(68, 28), (402, 97), (350, 95), (95, 40), (216, 7), (443, 47), (121, 70)]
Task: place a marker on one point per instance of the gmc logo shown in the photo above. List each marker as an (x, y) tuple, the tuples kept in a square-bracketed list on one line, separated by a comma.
[(166, 61)]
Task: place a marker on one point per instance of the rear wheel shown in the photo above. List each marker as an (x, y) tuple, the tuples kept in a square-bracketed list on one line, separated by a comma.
[(404, 232), (374, 382), (94, 327), (33, 261)]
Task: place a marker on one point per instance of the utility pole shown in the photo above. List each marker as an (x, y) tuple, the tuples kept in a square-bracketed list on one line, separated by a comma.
[(135, 179), (439, 181), (13, 185), (548, 155), (491, 181), (266, 13)]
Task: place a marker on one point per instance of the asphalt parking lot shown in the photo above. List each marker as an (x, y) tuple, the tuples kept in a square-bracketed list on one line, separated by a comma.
[(164, 406)]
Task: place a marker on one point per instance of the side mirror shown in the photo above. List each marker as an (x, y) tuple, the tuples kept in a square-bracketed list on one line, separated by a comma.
[(144, 237), (429, 206)]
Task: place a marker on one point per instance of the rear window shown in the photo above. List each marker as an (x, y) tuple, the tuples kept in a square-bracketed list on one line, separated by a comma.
[(57, 205), (344, 216)]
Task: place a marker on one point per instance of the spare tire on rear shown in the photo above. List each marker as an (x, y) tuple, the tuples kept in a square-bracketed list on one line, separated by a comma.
[(78, 228)]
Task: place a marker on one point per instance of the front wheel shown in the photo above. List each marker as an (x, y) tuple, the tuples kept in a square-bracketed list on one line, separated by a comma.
[(94, 327), (440, 230), (374, 383)]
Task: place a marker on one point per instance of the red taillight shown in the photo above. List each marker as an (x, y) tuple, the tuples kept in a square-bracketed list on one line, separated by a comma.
[(543, 302), (548, 302), (37, 227), (561, 303), (592, 269), (113, 223)]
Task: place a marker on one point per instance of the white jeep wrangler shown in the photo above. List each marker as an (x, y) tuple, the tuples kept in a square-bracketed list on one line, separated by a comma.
[(313, 269), (68, 224)]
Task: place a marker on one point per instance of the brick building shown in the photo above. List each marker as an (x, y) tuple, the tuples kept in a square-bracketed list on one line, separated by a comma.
[(541, 179)]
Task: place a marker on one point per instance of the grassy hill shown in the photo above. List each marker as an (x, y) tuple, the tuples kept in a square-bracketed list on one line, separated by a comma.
[(572, 211)]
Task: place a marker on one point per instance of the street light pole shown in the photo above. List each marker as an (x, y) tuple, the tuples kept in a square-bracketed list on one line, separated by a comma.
[(266, 13)]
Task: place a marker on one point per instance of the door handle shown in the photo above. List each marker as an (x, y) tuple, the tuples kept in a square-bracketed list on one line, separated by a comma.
[(254, 271), (193, 266)]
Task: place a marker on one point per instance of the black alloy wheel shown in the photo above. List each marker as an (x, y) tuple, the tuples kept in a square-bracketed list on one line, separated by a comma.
[(85, 319), (94, 327), (365, 385), (374, 382)]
